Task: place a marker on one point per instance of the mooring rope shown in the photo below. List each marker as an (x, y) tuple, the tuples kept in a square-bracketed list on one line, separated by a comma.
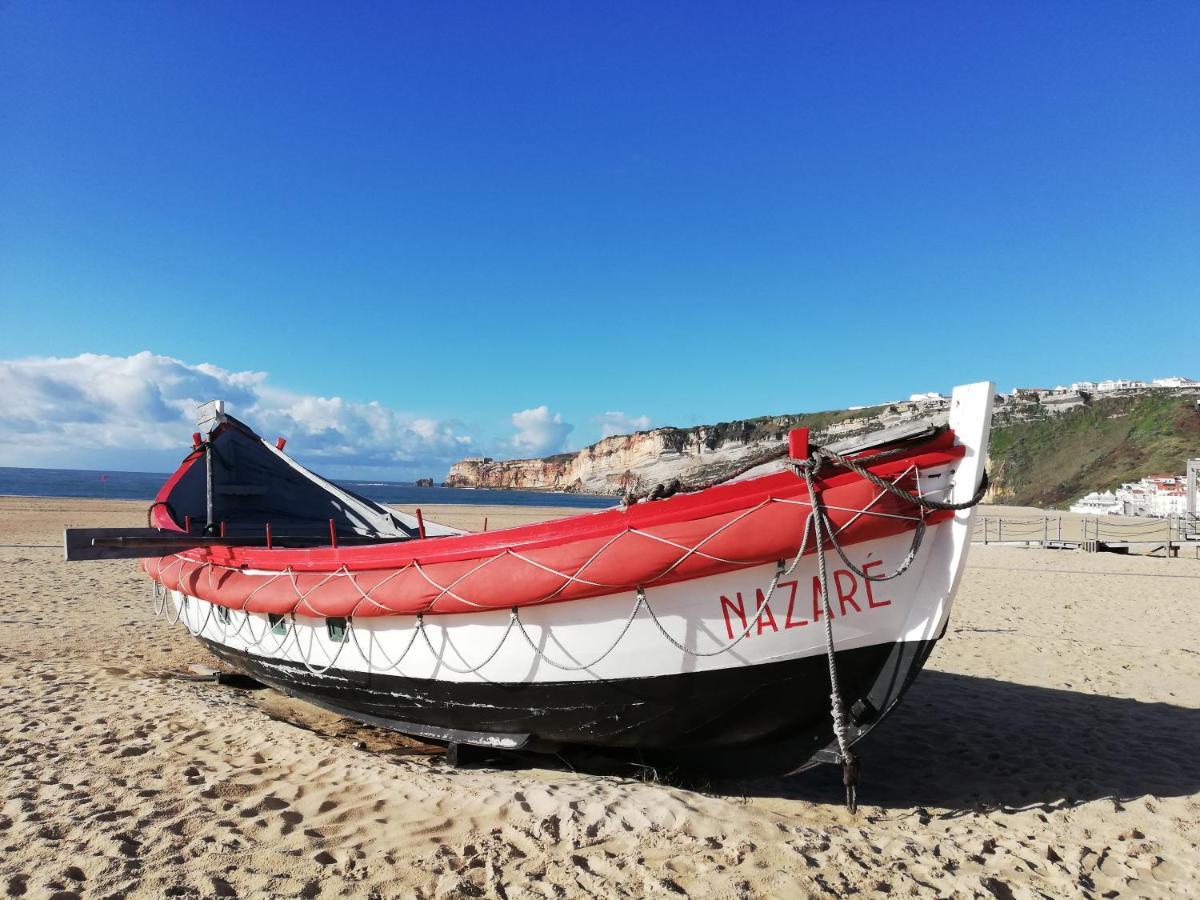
[(838, 707)]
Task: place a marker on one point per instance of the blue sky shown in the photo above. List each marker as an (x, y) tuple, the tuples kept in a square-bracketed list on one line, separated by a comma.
[(676, 212)]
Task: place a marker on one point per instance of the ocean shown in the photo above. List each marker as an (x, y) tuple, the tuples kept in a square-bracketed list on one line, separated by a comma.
[(144, 485)]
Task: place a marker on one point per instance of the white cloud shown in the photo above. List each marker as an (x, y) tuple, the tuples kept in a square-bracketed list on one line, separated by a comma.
[(539, 431), (93, 411), (613, 423)]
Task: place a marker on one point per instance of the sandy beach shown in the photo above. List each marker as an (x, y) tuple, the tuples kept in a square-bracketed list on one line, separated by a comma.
[(1049, 749)]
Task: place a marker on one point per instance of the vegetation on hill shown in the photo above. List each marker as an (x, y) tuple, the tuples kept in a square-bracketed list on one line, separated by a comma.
[(1053, 460)]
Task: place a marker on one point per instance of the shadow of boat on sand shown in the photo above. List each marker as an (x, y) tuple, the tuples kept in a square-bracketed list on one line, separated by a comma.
[(964, 743)]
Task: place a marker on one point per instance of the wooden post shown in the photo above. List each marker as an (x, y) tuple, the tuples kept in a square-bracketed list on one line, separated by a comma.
[(985, 530), (1045, 531), (420, 524), (1000, 530), (1060, 528), (485, 523), (1168, 537)]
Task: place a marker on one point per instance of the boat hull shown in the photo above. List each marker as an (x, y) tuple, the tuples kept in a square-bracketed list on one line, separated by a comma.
[(779, 710)]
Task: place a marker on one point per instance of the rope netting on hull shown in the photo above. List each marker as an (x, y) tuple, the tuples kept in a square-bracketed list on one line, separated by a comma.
[(525, 573)]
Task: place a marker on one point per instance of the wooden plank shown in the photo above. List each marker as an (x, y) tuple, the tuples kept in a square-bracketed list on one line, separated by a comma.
[(78, 543), (137, 543)]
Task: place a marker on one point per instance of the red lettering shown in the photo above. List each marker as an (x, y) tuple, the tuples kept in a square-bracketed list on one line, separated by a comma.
[(843, 597), (727, 607), (817, 610), (766, 611), (871, 594), (789, 622)]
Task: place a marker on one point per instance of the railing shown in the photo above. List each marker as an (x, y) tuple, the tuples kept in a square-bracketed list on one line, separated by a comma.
[(1088, 532)]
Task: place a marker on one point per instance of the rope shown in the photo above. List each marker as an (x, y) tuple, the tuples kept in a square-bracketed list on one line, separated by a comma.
[(366, 658), (857, 466), (312, 640), (541, 654), (838, 707), (662, 490), (158, 594), (472, 669)]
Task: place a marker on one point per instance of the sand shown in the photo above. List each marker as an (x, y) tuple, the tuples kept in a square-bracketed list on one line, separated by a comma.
[(1052, 748)]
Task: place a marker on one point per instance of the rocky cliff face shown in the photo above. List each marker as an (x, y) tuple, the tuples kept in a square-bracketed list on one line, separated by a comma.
[(625, 462), (635, 462)]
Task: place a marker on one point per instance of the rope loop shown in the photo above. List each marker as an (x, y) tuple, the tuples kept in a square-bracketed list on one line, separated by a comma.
[(859, 467)]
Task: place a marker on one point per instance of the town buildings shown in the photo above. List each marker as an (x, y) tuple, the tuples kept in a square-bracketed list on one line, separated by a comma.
[(1158, 496)]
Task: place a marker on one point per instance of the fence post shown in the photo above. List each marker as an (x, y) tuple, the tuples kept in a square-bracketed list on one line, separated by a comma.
[(985, 530), (1045, 530), (1060, 528), (1168, 537), (1000, 530)]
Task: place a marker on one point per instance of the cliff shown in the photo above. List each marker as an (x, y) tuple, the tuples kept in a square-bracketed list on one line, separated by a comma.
[(1041, 456), (637, 461)]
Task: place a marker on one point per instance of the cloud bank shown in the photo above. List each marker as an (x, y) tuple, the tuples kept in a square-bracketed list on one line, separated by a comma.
[(138, 412)]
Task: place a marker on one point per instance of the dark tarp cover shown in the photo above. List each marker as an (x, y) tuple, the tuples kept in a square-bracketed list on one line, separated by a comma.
[(254, 483)]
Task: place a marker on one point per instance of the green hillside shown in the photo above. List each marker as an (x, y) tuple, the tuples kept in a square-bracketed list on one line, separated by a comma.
[(1053, 460)]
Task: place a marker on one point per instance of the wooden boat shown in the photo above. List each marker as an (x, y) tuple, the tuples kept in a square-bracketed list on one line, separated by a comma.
[(696, 623)]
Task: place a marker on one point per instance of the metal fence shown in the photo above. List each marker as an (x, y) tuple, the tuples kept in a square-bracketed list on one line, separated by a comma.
[(1089, 532)]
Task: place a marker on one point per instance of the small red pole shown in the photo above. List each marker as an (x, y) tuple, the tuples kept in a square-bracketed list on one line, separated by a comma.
[(195, 440), (280, 443), (798, 443), (268, 535), (420, 524), (222, 528), (485, 523), (187, 524), (333, 534)]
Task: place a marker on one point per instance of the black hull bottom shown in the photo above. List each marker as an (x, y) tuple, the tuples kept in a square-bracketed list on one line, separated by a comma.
[(770, 713)]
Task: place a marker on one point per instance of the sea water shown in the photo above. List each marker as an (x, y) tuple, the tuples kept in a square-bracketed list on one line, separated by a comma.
[(144, 486)]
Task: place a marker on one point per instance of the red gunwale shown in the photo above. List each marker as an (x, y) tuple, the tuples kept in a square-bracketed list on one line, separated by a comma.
[(726, 498)]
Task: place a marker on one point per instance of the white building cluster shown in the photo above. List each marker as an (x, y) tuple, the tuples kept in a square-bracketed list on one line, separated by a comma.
[(1119, 385), (1157, 496)]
